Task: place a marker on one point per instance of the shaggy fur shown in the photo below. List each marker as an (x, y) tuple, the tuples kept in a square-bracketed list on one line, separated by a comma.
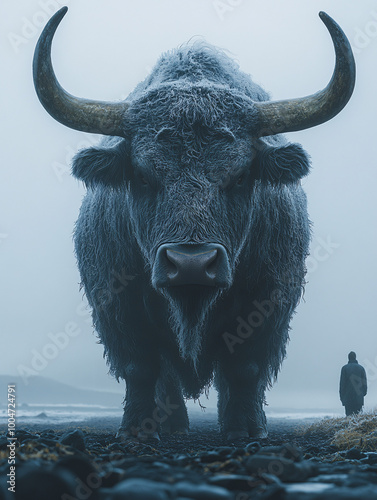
[(190, 170)]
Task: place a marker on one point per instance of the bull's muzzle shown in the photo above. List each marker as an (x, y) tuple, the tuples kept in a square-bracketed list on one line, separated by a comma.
[(191, 264)]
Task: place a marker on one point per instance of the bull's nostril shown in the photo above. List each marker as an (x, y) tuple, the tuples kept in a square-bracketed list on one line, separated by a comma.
[(212, 265), (186, 266), (171, 264), (191, 264)]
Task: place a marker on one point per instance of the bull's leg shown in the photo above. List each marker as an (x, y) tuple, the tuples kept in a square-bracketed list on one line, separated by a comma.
[(241, 397), (172, 408), (140, 418)]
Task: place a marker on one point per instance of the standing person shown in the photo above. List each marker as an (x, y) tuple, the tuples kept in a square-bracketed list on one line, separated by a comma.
[(353, 385)]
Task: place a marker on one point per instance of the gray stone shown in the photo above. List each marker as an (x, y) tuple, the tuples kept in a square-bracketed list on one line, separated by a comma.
[(138, 489), (75, 439), (202, 491), (285, 469)]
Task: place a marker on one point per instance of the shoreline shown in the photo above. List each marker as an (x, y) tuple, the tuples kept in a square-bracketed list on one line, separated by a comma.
[(287, 464)]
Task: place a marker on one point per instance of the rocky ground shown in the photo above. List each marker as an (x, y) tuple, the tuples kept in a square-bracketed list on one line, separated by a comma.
[(85, 462)]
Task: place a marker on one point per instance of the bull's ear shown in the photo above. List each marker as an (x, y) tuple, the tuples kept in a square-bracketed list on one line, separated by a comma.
[(108, 166), (282, 164)]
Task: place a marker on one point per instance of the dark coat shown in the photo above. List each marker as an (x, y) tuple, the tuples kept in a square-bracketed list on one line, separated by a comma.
[(353, 385)]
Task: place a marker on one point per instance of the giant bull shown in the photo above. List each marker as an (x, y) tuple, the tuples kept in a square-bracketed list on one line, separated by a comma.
[(192, 237)]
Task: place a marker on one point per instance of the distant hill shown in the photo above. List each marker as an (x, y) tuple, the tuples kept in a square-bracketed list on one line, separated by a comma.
[(42, 390)]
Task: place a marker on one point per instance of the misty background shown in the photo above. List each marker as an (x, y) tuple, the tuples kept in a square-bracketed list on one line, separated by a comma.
[(101, 51)]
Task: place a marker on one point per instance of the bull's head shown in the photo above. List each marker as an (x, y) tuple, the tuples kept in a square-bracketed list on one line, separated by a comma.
[(187, 151)]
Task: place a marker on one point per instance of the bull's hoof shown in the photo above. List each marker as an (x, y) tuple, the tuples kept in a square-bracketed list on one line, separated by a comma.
[(235, 435), (148, 437), (260, 433), (177, 423), (144, 437)]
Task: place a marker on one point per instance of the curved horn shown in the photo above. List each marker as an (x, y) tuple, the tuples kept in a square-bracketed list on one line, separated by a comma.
[(275, 117), (97, 117)]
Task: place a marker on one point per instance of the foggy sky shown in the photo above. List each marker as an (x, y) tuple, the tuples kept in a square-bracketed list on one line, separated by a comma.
[(101, 51)]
